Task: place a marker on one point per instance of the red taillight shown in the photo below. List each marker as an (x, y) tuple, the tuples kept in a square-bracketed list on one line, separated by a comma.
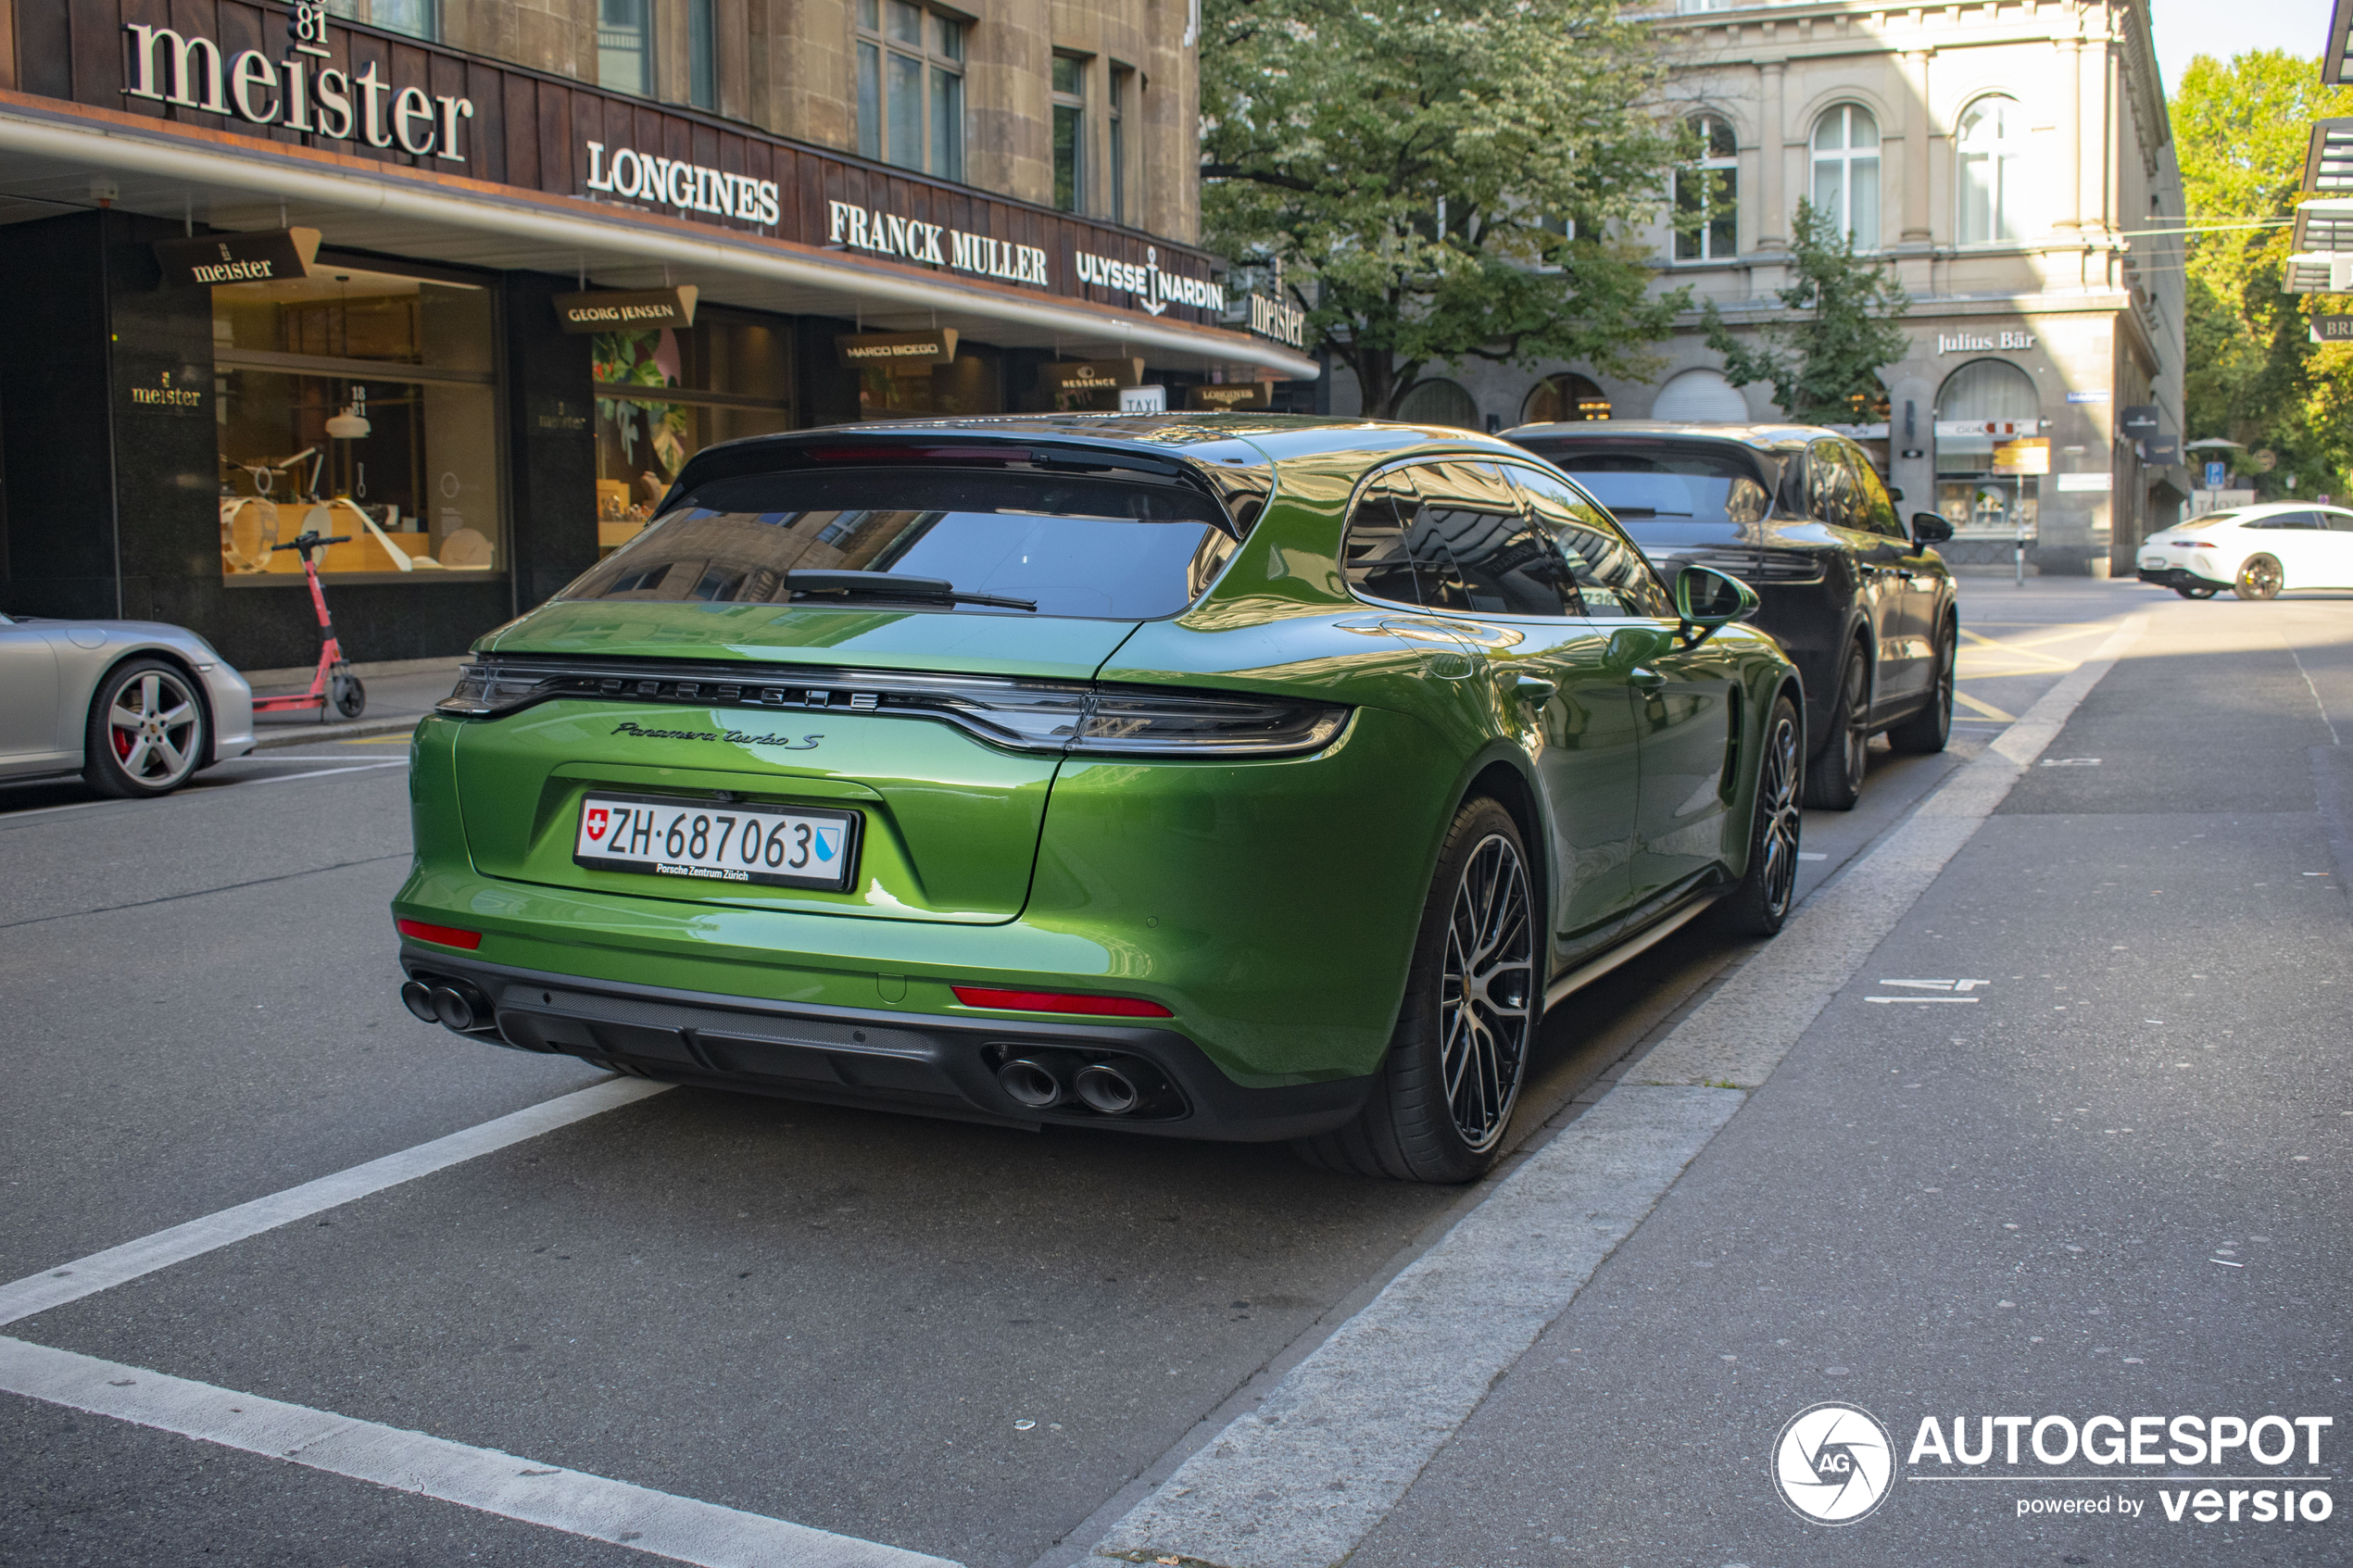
[(447, 935), (1059, 1001), (2199, 544)]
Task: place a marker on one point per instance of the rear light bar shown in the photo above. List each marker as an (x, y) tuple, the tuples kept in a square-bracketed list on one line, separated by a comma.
[(1034, 716), (447, 935), (1084, 1003)]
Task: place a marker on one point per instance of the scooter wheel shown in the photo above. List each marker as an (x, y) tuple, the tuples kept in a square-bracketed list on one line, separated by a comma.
[(349, 696)]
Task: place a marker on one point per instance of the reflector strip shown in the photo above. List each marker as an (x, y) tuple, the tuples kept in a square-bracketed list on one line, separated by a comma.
[(447, 935), (1059, 1001)]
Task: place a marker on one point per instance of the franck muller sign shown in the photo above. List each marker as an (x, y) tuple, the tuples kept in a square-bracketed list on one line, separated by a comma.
[(299, 92)]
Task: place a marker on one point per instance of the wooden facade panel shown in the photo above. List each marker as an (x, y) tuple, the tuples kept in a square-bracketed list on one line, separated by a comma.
[(530, 130)]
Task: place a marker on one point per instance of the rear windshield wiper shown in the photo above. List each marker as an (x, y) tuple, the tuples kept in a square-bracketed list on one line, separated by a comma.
[(895, 585)]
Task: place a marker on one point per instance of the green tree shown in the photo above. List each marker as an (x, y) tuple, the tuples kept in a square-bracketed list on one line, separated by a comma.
[(1824, 358), (2240, 131), (1440, 181)]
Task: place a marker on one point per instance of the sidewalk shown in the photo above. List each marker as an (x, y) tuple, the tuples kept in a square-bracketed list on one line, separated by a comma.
[(400, 692)]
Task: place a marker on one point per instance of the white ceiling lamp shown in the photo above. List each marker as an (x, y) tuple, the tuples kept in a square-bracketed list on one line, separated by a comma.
[(349, 425)]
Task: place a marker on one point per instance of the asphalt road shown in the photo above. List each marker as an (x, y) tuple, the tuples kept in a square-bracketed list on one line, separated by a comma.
[(837, 1318)]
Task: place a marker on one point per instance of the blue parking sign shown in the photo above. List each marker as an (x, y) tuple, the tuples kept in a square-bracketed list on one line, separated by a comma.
[(2215, 475)]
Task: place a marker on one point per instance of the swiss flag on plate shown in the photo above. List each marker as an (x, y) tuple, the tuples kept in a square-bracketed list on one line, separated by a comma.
[(596, 821)]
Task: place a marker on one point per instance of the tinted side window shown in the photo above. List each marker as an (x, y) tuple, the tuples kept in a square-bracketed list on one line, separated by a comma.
[(1877, 513), (1475, 549), (1375, 557), (1830, 490), (2338, 522), (1611, 577)]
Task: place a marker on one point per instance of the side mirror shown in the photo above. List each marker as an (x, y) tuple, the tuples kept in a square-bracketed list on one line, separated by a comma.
[(1706, 599), (1930, 528)]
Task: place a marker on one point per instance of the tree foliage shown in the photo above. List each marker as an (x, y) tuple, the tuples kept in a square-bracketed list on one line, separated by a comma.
[(1824, 359), (1336, 132), (2240, 131)]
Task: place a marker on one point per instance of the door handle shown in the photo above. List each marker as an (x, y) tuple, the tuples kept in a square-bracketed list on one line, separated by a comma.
[(1648, 680), (1530, 689)]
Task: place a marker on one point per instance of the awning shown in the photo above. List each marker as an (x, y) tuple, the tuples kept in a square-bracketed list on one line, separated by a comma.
[(55, 155)]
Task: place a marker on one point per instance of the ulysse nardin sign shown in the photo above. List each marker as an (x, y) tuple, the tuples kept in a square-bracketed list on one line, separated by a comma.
[(189, 70), (1156, 289)]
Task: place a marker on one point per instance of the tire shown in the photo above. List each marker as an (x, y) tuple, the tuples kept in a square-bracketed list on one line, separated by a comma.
[(1442, 1099), (1759, 906), (1925, 732), (2193, 593), (1835, 774), (147, 732), (348, 694), (2259, 578)]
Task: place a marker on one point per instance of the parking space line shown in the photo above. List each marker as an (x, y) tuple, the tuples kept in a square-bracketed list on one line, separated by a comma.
[(482, 1479), (1302, 1480), (117, 1265)]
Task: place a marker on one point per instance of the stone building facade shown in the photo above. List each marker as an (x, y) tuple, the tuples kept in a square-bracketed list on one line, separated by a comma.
[(2011, 158)]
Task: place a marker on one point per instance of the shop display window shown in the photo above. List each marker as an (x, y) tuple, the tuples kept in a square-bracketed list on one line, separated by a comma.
[(663, 395), (967, 387), (363, 403)]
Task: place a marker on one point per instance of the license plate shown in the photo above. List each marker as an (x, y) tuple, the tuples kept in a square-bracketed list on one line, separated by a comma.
[(776, 845), (2153, 562)]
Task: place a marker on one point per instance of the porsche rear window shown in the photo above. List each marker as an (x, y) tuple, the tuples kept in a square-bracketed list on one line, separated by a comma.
[(1078, 546), (1665, 495)]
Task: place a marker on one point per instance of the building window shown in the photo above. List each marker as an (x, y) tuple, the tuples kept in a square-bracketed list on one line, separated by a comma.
[(1070, 132), (1121, 79), (1562, 397), (663, 395), (1984, 406), (1992, 139), (625, 46), (418, 18), (1846, 172), (702, 55), (1707, 195), (1439, 402), (911, 87), (357, 403), (1700, 397)]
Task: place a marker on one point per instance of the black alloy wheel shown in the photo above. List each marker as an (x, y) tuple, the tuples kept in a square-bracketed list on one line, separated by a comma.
[(2259, 578), (1759, 904), (346, 694), (1442, 1099), (1834, 777), (147, 732), (1925, 732), (2189, 593)]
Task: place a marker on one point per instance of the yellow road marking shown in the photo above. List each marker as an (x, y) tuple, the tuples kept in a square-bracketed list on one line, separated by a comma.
[(399, 739), (1985, 707), (2000, 646)]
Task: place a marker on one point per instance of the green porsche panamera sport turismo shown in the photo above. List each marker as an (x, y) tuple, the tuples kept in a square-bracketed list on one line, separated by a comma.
[(1221, 776)]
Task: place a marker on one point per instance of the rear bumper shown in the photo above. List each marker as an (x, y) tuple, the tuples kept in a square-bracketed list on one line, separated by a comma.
[(2178, 577), (929, 1064)]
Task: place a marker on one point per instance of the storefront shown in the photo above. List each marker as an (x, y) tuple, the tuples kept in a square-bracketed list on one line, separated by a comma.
[(475, 318)]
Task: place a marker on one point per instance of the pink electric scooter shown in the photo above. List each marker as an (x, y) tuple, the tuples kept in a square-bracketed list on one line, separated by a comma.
[(332, 684)]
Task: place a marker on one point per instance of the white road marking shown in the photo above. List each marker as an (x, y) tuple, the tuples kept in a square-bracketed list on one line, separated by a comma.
[(1302, 1480), (485, 1479), (1811, 855), (327, 773), (101, 1271), (1958, 999), (1938, 984), (2070, 762)]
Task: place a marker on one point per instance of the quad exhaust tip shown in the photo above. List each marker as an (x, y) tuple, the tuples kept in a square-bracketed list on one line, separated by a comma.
[(453, 1004), (1030, 1084), (1105, 1088)]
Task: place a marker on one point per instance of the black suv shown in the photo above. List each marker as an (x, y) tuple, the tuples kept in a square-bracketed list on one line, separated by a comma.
[(1866, 609)]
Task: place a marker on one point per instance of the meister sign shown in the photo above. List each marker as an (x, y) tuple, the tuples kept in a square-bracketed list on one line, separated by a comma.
[(188, 71), (263, 257)]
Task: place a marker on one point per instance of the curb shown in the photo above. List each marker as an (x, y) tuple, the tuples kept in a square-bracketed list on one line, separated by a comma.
[(276, 735)]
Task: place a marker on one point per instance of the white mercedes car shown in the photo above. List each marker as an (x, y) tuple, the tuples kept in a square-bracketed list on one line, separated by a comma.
[(134, 706), (2257, 552)]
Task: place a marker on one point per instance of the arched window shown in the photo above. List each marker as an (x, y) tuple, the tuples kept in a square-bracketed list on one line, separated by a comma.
[(1984, 406), (1440, 402), (1565, 397), (1707, 195), (1992, 140), (1701, 396), (1847, 171)]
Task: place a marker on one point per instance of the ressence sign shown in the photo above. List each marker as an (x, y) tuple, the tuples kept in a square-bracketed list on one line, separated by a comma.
[(188, 71)]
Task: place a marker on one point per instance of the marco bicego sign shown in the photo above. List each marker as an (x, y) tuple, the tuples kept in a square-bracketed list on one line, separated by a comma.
[(690, 187), (887, 234), (897, 354), (1157, 289), (188, 71)]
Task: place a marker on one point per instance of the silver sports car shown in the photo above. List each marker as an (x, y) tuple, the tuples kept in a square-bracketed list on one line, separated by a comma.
[(134, 706)]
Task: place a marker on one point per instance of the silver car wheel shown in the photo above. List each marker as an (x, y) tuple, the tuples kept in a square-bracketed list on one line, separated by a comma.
[(153, 725), (1486, 997)]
